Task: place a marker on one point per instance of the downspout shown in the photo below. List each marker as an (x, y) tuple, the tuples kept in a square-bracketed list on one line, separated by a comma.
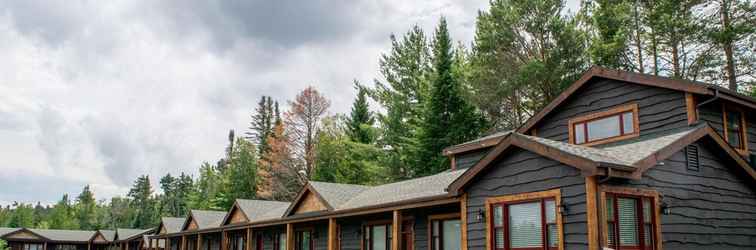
[(716, 97)]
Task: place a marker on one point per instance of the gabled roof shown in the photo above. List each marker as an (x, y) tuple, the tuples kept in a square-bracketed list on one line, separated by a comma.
[(330, 195), (255, 210), (7, 230), (418, 188), (126, 234), (64, 235), (627, 159), (596, 72), (205, 219), (171, 224), (109, 235)]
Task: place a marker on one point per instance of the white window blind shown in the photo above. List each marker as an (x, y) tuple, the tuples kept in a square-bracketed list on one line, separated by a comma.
[(525, 227), (452, 235), (628, 221), (551, 226), (379, 238)]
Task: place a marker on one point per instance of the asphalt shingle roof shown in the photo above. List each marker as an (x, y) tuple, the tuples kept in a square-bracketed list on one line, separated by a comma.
[(208, 219), (125, 233), (336, 194), (65, 235), (173, 224), (7, 230), (108, 234), (257, 210), (404, 190)]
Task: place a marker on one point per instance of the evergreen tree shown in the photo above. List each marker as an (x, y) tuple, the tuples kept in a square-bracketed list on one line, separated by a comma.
[(63, 216), (448, 119), (342, 160), (402, 94), (169, 201), (361, 121), (22, 216), (241, 174), (86, 207), (262, 123), (145, 212)]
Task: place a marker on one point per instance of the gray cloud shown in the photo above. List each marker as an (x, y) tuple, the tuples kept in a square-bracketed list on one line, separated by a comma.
[(98, 92)]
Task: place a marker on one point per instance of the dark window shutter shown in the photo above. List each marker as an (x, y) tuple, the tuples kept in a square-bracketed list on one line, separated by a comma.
[(692, 157)]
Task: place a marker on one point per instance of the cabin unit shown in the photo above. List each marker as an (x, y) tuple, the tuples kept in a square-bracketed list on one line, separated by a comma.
[(48, 239)]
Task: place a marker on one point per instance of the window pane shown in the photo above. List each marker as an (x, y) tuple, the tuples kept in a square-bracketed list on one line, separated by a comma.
[(452, 235), (525, 228), (579, 133), (609, 208), (610, 233), (305, 241), (553, 235), (627, 123), (646, 210), (628, 221), (550, 206), (282, 241), (498, 216), (733, 129), (499, 234), (647, 234), (603, 128), (379, 238)]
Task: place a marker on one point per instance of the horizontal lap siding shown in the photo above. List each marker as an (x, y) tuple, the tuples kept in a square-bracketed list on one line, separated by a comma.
[(522, 172), (714, 208), (269, 237), (469, 159), (350, 235), (659, 109)]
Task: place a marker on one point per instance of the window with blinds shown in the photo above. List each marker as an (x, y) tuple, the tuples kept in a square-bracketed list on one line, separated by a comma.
[(446, 234), (525, 225), (377, 237), (629, 222)]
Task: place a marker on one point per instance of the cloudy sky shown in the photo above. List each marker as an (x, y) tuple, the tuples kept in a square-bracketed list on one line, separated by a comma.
[(99, 92)]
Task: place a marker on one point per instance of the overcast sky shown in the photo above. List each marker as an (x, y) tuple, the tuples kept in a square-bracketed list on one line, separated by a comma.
[(99, 92)]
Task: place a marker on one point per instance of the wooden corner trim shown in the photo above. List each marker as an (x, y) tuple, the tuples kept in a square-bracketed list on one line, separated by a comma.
[(591, 190), (633, 107), (463, 220), (690, 108)]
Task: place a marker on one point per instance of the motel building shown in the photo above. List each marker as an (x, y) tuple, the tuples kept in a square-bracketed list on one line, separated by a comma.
[(619, 160)]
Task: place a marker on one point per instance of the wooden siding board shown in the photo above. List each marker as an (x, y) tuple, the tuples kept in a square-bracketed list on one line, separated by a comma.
[(659, 109), (521, 171), (710, 209), (468, 159), (712, 114)]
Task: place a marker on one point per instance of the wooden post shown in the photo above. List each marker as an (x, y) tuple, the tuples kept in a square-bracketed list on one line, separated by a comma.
[(89, 246), (168, 244), (591, 190), (332, 234), (199, 241), (289, 236), (223, 241), (396, 231), (44, 247), (463, 221), (183, 242), (248, 244)]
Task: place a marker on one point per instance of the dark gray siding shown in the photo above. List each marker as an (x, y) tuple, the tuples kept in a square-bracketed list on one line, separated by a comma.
[(351, 231), (321, 233), (659, 109), (522, 171), (712, 114), (714, 208), (469, 159), (269, 236)]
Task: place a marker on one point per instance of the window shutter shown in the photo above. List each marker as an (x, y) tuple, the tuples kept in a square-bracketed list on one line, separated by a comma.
[(525, 225), (692, 157)]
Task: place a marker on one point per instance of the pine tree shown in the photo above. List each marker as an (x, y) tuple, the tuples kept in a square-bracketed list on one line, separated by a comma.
[(262, 123), (448, 119), (241, 175), (86, 207), (143, 203), (360, 122)]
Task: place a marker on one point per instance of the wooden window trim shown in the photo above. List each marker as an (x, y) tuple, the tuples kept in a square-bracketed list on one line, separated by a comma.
[(636, 192), (365, 230), (297, 238), (743, 150), (633, 107), (440, 217), (555, 194)]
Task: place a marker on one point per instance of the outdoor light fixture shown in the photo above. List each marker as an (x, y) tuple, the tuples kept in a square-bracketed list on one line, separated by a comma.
[(563, 209), (665, 208), (480, 216)]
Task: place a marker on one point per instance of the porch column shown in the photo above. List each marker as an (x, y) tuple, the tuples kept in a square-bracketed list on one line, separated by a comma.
[(396, 231), (89, 246), (199, 242), (463, 221), (249, 239), (289, 236), (224, 238), (149, 243), (332, 234), (168, 244), (183, 242), (44, 247)]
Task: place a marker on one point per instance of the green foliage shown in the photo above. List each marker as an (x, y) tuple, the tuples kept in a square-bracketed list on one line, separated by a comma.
[(86, 208), (524, 54), (448, 118), (360, 122), (343, 160), (22, 216), (144, 205), (3, 245), (241, 176)]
